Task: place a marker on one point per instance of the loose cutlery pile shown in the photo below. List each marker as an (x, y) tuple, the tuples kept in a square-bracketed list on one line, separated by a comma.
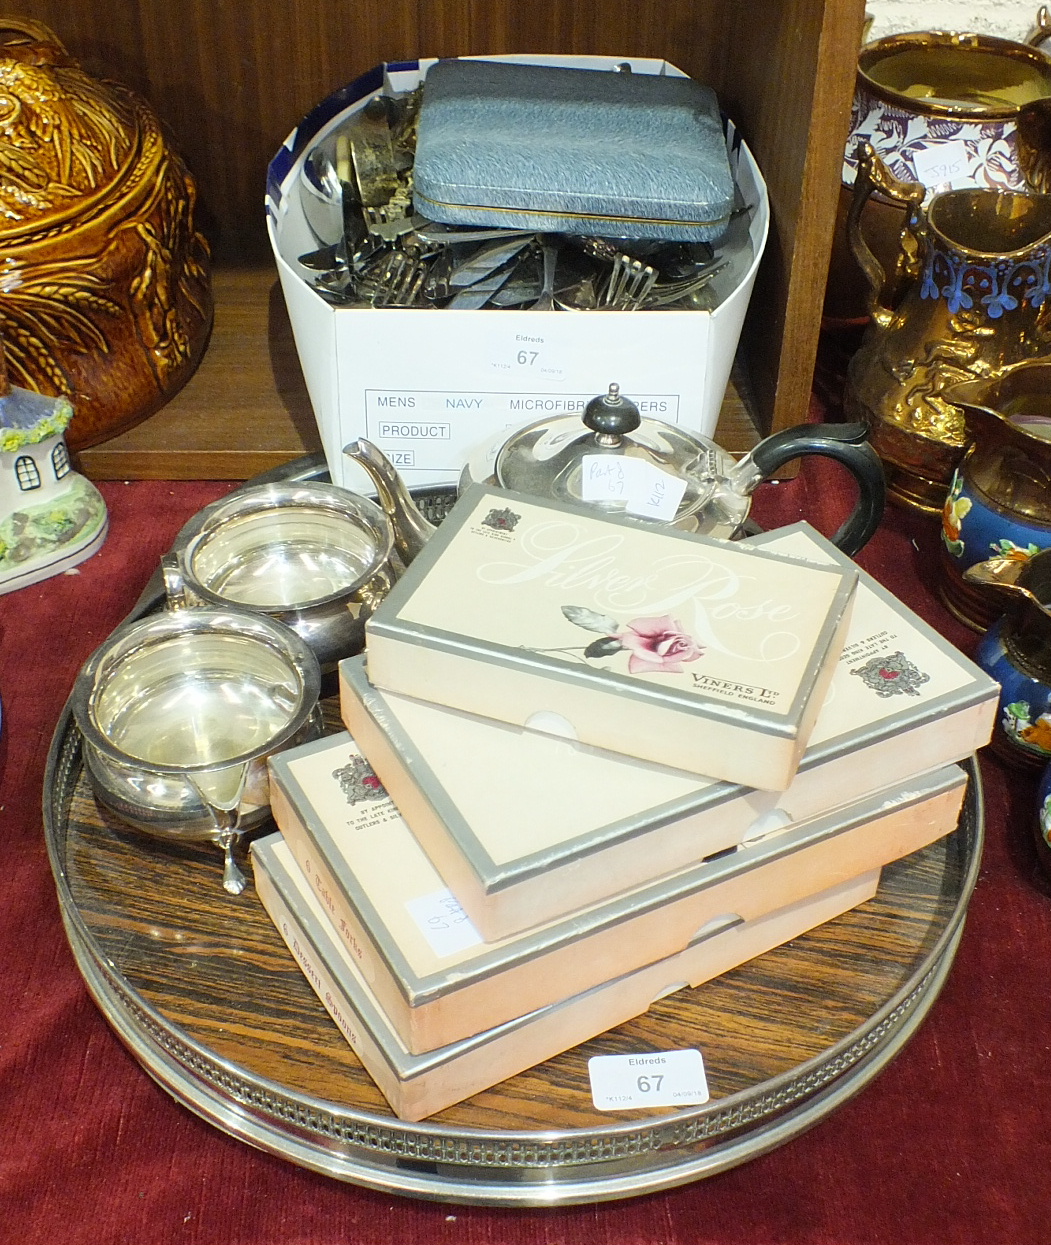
[(377, 252)]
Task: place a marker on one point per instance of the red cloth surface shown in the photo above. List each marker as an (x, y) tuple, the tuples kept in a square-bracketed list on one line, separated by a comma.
[(950, 1144)]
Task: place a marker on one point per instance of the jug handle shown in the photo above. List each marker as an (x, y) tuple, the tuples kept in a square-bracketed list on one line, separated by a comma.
[(174, 582), (1042, 29), (847, 444), (1033, 122), (873, 174), (1033, 143)]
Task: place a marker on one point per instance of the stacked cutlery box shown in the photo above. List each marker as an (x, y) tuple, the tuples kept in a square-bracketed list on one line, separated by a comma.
[(470, 896)]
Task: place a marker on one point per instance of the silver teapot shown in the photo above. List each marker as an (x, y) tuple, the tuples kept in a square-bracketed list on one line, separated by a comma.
[(614, 460)]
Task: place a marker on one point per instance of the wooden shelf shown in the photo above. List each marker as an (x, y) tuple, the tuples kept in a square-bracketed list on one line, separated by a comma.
[(246, 408), (230, 81)]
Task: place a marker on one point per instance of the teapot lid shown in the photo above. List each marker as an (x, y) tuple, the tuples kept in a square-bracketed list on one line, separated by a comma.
[(614, 460)]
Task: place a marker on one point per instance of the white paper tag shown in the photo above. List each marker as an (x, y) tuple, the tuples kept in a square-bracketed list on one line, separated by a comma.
[(673, 1078), (606, 477), (643, 487), (655, 494), (443, 922), (943, 164)]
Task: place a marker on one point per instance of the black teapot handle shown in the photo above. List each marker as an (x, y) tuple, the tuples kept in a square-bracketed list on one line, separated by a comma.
[(848, 444)]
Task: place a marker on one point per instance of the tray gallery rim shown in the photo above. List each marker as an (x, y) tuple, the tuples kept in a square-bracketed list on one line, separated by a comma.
[(390, 1168), (513, 1167)]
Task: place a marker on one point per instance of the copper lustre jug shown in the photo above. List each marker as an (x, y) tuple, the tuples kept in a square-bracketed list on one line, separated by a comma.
[(946, 108), (999, 503), (104, 276), (968, 297)]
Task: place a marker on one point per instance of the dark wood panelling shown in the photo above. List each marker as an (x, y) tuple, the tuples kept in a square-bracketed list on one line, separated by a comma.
[(231, 79)]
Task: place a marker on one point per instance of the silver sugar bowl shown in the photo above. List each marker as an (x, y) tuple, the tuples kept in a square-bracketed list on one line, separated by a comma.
[(316, 557)]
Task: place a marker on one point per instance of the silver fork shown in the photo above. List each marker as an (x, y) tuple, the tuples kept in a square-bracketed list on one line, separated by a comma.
[(400, 281), (390, 223), (671, 292), (394, 218), (630, 282)]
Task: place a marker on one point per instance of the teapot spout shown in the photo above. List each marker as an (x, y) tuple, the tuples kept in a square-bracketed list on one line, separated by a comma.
[(411, 529)]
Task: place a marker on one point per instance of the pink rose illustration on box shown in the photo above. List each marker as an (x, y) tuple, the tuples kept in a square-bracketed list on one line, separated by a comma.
[(656, 645)]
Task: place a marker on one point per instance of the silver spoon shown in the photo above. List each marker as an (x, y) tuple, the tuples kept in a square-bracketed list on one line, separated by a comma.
[(579, 297), (546, 301)]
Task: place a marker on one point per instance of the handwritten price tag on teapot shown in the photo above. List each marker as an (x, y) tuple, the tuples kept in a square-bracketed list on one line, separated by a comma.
[(646, 490)]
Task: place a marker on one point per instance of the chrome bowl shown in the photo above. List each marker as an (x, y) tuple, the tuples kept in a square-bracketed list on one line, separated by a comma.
[(315, 556)]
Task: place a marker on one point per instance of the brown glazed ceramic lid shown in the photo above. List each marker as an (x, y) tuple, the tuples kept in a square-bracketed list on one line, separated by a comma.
[(104, 279)]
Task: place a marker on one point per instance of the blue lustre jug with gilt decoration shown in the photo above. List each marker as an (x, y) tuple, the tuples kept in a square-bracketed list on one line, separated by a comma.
[(999, 503), (969, 297), (1016, 652)]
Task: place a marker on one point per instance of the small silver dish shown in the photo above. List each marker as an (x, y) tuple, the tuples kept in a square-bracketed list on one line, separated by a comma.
[(179, 712), (314, 556)]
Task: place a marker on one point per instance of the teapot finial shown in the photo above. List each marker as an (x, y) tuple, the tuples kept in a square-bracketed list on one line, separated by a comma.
[(611, 416), (411, 529)]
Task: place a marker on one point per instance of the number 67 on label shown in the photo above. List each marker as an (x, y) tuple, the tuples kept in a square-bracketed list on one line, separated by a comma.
[(672, 1078)]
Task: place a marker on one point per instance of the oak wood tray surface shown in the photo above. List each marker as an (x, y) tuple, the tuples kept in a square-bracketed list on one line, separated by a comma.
[(203, 991)]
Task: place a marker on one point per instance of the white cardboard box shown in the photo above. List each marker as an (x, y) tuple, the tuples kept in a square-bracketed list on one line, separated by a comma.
[(429, 387)]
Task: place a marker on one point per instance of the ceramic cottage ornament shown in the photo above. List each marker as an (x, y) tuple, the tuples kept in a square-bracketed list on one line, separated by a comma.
[(51, 517)]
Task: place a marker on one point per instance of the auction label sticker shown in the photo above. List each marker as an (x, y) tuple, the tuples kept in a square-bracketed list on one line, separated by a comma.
[(673, 1078), (443, 922)]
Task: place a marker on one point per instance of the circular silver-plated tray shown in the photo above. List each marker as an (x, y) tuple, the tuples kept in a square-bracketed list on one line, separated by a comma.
[(204, 993), (202, 990)]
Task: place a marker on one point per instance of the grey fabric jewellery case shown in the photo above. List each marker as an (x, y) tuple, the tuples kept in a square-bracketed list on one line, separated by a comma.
[(580, 151)]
